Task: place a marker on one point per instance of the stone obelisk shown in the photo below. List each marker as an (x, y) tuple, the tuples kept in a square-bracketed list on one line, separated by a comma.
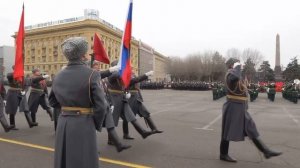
[(278, 72)]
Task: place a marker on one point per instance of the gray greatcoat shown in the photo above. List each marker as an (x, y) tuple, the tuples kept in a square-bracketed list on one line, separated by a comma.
[(75, 144), (136, 99), (2, 97), (38, 97), (14, 98), (236, 122), (109, 120), (117, 96)]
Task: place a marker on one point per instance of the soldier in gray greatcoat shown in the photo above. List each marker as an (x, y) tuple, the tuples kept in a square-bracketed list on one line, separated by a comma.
[(38, 94), (119, 98), (3, 120), (79, 92), (137, 106), (16, 97), (108, 121), (236, 121)]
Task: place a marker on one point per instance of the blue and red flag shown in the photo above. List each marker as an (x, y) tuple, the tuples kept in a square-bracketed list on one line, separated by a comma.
[(124, 60)]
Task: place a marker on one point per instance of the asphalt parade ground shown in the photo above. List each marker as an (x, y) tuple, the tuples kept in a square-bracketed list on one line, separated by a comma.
[(192, 124)]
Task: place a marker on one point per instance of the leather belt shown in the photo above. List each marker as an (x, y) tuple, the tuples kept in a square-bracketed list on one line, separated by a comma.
[(77, 110), (115, 91), (15, 89), (133, 91), (37, 90), (237, 98)]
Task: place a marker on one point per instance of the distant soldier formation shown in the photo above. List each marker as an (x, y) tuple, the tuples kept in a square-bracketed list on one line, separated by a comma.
[(218, 90), (152, 85), (191, 85), (291, 91)]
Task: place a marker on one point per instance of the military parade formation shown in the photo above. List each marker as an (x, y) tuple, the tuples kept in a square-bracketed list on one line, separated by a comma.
[(85, 100), (291, 91)]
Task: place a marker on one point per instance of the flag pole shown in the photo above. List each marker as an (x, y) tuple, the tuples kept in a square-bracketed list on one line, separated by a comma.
[(23, 48), (92, 59)]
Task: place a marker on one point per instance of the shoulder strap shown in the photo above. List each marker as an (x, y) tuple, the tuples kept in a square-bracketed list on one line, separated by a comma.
[(90, 87)]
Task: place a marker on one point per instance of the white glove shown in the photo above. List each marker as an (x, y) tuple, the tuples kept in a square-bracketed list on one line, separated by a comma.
[(114, 69), (128, 95), (45, 76), (237, 64), (112, 109), (4, 102), (242, 66), (150, 73), (22, 93)]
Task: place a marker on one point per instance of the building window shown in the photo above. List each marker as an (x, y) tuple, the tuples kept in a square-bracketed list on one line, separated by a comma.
[(32, 55), (55, 53)]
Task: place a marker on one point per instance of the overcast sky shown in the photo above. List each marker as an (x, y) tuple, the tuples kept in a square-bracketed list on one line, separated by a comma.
[(179, 27)]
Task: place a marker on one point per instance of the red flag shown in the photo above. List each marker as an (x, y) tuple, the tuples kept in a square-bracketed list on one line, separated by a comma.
[(99, 51), (19, 64)]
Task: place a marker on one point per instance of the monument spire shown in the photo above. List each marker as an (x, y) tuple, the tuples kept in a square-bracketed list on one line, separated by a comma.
[(277, 62), (278, 72)]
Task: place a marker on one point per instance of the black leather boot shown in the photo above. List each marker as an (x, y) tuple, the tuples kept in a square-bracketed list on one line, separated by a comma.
[(114, 138), (224, 146), (33, 118), (29, 120), (152, 126), (4, 124), (56, 113), (12, 122), (140, 129), (126, 131), (50, 113), (268, 153)]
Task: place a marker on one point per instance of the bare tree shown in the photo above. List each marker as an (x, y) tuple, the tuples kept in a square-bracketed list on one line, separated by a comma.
[(254, 55)]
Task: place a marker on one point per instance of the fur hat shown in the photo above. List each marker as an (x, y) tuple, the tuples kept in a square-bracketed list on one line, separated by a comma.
[(74, 48)]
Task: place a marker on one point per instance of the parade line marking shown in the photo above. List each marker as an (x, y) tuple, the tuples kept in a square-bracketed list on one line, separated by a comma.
[(116, 162), (206, 127), (290, 115)]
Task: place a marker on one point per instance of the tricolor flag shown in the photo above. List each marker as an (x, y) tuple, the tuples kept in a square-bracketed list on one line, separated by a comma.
[(99, 51), (19, 64), (124, 60)]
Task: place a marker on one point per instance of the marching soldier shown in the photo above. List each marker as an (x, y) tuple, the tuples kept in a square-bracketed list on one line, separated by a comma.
[(253, 92), (38, 94), (3, 120), (113, 138), (137, 106), (119, 99), (237, 122), (271, 91), (16, 97), (78, 90)]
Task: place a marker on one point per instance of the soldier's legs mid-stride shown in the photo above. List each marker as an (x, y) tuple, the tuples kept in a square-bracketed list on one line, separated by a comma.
[(137, 127), (268, 153), (34, 103), (15, 100), (3, 120), (142, 112), (113, 138)]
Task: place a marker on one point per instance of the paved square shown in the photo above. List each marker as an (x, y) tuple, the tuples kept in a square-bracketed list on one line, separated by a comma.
[(192, 124)]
